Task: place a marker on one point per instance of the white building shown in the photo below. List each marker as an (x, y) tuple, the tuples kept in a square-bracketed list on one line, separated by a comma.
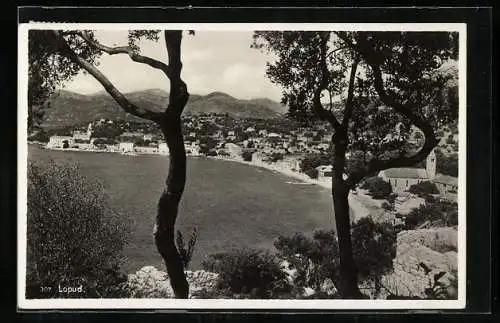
[(402, 178), (59, 141), (163, 149), (126, 147), (146, 149), (324, 171), (83, 136), (148, 137)]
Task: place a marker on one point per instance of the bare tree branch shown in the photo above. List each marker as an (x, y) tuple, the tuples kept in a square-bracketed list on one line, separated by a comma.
[(60, 43), (136, 57)]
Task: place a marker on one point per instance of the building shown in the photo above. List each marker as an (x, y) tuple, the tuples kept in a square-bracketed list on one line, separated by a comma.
[(126, 147), (163, 149), (324, 171), (402, 178), (146, 149), (60, 142), (148, 137), (83, 136)]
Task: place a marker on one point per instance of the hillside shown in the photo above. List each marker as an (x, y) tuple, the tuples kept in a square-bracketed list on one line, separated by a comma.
[(68, 108)]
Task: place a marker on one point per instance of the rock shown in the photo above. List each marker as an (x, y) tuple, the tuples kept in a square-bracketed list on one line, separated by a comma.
[(420, 255), (149, 282), (328, 287), (440, 239)]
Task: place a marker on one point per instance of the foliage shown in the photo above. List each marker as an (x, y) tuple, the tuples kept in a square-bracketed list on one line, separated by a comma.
[(315, 160), (73, 236), (374, 248), (110, 131), (313, 259), (312, 172), (253, 273), (40, 136), (439, 213), (276, 157), (377, 187), (447, 164), (186, 252), (247, 155), (424, 188), (48, 70)]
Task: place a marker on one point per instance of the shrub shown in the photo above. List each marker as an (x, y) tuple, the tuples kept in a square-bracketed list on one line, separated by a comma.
[(315, 160), (73, 237), (374, 248), (377, 187), (424, 189), (186, 252), (276, 157), (252, 273), (439, 213), (313, 259), (311, 172), (247, 156), (387, 206)]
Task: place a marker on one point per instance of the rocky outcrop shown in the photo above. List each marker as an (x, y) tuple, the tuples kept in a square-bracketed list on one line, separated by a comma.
[(149, 282), (420, 255)]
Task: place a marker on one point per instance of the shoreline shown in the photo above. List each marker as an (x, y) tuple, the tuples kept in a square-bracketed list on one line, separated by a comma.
[(359, 209)]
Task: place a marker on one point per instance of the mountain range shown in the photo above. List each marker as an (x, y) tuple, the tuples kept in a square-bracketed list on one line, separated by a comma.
[(69, 108)]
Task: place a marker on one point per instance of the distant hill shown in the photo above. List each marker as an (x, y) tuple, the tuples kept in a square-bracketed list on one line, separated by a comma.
[(68, 108)]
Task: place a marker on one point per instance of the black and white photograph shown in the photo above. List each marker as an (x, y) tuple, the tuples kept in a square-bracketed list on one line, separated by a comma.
[(245, 166)]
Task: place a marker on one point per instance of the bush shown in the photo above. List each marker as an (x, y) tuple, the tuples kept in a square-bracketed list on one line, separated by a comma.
[(276, 157), (374, 248), (73, 237), (424, 189), (313, 259), (311, 172), (377, 187), (252, 273), (186, 252), (247, 156), (439, 213), (387, 206)]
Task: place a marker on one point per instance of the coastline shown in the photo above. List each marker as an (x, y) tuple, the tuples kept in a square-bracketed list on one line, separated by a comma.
[(358, 207)]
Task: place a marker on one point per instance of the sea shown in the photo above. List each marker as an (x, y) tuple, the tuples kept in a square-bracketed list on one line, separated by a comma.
[(232, 205)]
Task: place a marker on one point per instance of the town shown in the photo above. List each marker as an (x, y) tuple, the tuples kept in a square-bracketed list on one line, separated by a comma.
[(279, 144)]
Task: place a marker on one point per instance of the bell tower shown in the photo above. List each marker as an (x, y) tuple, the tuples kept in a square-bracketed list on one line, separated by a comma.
[(430, 165), (89, 129)]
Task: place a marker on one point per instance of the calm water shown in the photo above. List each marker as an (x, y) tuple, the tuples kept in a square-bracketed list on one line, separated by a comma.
[(232, 205)]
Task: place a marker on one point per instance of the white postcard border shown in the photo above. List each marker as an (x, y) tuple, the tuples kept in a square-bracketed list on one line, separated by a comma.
[(319, 304)]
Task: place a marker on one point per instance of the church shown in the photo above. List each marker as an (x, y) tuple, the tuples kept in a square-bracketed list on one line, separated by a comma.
[(402, 178)]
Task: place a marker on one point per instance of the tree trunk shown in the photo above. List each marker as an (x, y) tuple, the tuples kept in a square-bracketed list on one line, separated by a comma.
[(168, 207), (348, 285)]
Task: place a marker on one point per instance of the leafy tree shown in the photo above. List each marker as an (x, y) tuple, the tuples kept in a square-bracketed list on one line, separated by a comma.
[(254, 273), (76, 50), (312, 172), (439, 213), (374, 248), (276, 157), (377, 187), (74, 238), (424, 188), (48, 70), (389, 82), (246, 155), (313, 259)]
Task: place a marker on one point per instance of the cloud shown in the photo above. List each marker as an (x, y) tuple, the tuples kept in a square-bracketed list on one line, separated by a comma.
[(212, 61)]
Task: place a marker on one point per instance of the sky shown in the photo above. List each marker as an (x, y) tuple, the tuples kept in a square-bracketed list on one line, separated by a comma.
[(212, 61)]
